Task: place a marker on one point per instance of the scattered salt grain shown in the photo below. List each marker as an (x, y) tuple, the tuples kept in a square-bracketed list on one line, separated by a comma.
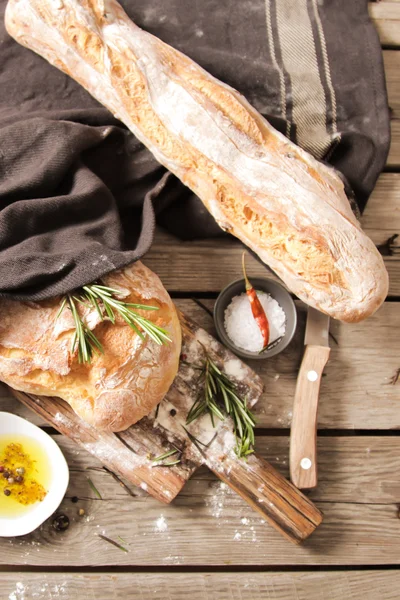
[(175, 560), (242, 328), (18, 593), (236, 369), (161, 524)]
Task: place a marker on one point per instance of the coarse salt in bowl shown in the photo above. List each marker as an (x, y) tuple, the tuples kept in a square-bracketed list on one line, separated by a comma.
[(243, 329), (236, 326)]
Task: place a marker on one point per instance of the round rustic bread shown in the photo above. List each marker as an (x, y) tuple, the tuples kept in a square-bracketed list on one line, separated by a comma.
[(118, 387)]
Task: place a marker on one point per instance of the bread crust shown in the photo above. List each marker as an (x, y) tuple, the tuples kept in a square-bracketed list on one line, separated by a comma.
[(118, 387), (289, 208)]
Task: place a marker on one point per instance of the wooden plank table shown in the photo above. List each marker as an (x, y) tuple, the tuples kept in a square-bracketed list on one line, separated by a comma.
[(208, 544)]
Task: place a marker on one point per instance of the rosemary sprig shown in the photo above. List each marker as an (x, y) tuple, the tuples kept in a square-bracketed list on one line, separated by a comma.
[(220, 398), (103, 300)]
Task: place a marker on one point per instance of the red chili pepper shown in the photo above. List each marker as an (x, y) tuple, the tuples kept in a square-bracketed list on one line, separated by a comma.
[(256, 308)]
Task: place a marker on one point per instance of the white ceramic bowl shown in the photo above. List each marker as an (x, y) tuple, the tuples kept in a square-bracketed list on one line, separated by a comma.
[(13, 425)]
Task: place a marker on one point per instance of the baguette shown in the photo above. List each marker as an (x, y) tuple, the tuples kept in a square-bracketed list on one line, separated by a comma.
[(286, 206)]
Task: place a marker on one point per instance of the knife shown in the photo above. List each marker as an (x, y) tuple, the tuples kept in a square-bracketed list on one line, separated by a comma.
[(303, 435)]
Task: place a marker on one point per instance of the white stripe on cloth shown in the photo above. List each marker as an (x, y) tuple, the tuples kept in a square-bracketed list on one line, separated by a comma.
[(300, 60), (271, 44), (326, 65)]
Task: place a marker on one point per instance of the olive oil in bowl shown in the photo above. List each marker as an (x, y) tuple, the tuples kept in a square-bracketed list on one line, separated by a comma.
[(33, 476), (25, 475)]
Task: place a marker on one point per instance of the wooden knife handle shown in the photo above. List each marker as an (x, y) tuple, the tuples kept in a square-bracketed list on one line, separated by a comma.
[(303, 435), (269, 493)]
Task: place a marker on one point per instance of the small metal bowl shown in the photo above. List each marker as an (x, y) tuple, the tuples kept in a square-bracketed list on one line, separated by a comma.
[(277, 291)]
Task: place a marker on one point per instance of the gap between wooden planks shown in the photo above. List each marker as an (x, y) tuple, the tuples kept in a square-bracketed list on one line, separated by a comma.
[(209, 525), (386, 17), (338, 585), (392, 72), (391, 59), (359, 470), (381, 218), (356, 392)]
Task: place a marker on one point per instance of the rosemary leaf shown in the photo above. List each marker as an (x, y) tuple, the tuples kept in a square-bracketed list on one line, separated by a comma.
[(192, 438), (157, 409), (135, 329), (97, 307), (198, 442), (106, 290), (216, 411), (225, 397), (170, 464), (141, 306), (188, 364), (63, 305), (271, 345), (110, 541), (159, 460), (94, 488), (165, 455), (109, 312), (167, 464)]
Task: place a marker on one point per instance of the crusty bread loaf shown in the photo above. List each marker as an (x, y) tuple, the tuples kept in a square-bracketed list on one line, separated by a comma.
[(289, 208), (120, 386)]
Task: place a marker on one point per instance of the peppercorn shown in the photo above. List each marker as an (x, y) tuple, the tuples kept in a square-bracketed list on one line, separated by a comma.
[(61, 522), (19, 479), (81, 512), (11, 480), (6, 474), (1, 469), (74, 499), (20, 471), (7, 492)]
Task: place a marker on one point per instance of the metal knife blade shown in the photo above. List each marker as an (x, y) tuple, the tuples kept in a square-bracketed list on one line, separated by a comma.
[(317, 328)]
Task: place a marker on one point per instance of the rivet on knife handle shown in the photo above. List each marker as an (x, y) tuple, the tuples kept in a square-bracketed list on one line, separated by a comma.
[(303, 435)]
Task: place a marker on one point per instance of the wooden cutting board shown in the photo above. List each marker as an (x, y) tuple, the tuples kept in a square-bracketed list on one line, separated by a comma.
[(130, 454)]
